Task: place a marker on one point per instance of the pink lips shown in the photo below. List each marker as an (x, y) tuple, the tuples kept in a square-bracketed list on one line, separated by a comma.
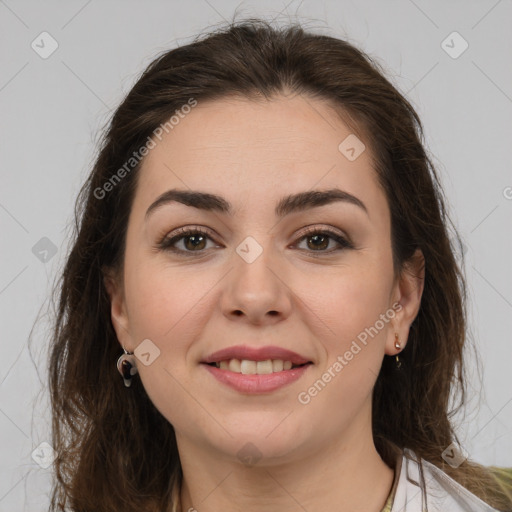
[(255, 354), (256, 384)]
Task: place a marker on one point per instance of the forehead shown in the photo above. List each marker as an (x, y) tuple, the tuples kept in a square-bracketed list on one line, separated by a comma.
[(236, 127), (256, 148)]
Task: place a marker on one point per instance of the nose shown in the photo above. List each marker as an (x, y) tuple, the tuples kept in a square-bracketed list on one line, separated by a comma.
[(256, 291)]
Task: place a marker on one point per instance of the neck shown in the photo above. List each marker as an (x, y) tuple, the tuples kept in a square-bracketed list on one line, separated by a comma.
[(342, 475)]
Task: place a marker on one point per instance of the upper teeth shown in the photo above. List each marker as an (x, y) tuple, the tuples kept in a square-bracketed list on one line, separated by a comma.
[(248, 367)]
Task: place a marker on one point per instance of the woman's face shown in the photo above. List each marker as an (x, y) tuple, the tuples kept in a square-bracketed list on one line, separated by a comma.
[(280, 268)]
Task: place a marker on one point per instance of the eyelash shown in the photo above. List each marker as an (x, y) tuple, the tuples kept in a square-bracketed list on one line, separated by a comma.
[(167, 242)]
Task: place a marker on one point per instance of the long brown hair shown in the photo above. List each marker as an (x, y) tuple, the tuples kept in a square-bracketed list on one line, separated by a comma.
[(115, 450)]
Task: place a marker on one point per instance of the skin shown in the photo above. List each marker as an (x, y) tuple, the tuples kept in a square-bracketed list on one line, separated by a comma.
[(318, 456)]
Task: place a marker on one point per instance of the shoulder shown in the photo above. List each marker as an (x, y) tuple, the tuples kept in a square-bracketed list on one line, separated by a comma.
[(440, 492)]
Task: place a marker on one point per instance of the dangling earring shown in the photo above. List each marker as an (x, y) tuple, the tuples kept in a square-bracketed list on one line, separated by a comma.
[(398, 347), (127, 367)]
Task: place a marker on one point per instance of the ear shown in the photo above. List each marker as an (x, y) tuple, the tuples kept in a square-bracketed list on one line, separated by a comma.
[(406, 294), (113, 282)]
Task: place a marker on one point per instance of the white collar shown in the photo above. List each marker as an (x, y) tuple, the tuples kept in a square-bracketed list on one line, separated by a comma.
[(443, 493)]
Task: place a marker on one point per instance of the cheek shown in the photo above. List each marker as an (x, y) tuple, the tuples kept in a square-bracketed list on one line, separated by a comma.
[(352, 308), (161, 299), (166, 306), (349, 302)]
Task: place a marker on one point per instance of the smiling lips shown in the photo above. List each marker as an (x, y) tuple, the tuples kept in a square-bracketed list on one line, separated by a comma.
[(256, 370), (242, 352)]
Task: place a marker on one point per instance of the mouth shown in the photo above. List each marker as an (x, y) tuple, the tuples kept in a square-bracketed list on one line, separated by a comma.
[(251, 367), (256, 370), (243, 359), (251, 377)]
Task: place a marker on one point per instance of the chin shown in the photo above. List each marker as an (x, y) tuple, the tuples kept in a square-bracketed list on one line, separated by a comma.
[(261, 449)]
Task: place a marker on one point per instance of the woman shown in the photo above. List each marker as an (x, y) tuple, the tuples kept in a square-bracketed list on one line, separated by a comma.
[(262, 309)]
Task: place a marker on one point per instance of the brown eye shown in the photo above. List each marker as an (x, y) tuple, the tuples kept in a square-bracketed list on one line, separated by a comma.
[(191, 240), (320, 240), (194, 242)]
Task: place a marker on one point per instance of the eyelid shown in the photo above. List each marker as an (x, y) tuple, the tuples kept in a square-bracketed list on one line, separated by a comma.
[(180, 233), (342, 239), (167, 241), (183, 231), (319, 228)]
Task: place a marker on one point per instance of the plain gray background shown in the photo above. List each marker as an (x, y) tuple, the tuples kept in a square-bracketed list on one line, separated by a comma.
[(53, 108)]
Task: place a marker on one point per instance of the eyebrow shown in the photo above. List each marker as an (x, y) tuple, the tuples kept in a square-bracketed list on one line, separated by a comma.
[(288, 204)]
